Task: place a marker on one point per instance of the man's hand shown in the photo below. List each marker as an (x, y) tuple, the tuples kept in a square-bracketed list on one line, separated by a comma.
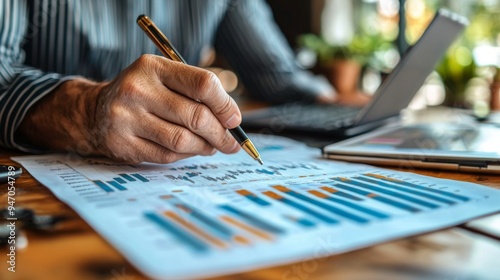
[(351, 99), (156, 110)]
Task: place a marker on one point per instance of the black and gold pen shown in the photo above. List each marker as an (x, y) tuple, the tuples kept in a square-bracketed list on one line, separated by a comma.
[(170, 52)]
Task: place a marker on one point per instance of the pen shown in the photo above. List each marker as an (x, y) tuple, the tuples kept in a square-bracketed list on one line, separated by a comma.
[(161, 41)]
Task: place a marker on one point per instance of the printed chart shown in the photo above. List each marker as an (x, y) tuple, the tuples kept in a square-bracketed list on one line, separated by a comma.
[(227, 214)]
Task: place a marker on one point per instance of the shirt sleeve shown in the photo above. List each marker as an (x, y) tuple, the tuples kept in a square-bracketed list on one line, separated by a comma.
[(20, 86), (255, 47)]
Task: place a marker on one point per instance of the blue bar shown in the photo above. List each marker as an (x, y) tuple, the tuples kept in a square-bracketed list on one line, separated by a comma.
[(181, 235), (306, 222), (406, 189), (120, 180), (308, 210), (116, 185), (346, 195), (379, 198), (394, 194), (301, 221), (257, 200), (408, 184), (359, 208), (140, 177), (264, 171), (253, 220), (327, 207), (340, 193), (225, 232), (208, 221), (127, 177), (103, 186), (252, 197)]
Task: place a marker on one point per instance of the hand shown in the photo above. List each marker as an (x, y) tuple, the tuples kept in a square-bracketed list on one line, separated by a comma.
[(354, 99), (149, 113), (329, 97)]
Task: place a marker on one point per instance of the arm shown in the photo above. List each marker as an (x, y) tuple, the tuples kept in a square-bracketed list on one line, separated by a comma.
[(147, 113), (20, 86), (256, 49)]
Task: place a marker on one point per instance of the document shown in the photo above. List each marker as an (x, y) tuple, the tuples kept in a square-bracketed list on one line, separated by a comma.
[(208, 216)]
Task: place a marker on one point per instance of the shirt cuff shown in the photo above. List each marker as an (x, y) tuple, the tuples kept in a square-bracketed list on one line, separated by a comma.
[(24, 91)]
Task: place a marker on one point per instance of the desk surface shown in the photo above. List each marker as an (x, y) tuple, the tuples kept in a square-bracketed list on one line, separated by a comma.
[(76, 251)]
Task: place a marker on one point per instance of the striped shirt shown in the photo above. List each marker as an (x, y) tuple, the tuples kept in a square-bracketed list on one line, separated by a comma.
[(46, 42)]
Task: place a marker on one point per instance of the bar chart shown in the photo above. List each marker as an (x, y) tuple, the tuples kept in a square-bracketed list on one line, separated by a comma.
[(117, 178), (223, 173), (119, 183), (227, 215), (243, 204), (111, 178), (267, 212)]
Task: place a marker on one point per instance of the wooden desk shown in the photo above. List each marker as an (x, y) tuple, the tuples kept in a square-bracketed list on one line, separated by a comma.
[(76, 251)]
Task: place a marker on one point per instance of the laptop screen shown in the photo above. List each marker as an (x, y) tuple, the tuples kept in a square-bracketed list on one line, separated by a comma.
[(399, 88)]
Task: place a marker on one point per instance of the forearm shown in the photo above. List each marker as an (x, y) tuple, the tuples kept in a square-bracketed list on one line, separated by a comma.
[(61, 120)]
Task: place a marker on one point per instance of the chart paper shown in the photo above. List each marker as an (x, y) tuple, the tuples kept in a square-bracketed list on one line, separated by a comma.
[(208, 216)]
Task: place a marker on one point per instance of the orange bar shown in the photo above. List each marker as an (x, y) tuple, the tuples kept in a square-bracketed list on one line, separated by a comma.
[(281, 188), (328, 189), (372, 195), (194, 229), (236, 238), (382, 177), (166, 196), (241, 240), (273, 195), (344, 179), (318, 194), (250, 229), (244, 192), (183, 208)]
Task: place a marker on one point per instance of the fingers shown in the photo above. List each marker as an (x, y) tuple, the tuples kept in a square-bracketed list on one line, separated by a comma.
[(173, 137), (327, 97), (196, 118), (143, 150), (125, 145), (151, 113), (202, 85), (354, 99)]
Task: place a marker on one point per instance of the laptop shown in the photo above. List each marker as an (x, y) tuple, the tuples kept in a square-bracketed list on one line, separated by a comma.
[(392, 96), (463, 145)]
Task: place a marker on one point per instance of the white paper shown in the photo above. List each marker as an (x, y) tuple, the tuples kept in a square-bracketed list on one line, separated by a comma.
[(208, 216)]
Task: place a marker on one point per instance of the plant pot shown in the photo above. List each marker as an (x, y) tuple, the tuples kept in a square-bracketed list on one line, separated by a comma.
[(344, 75), (495, 95)]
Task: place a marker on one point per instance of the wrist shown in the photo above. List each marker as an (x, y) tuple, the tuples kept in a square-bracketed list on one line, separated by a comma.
[(60, 121), (84, 95)]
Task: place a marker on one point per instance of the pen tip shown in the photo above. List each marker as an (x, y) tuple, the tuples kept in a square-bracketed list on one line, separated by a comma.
[(260, 161)]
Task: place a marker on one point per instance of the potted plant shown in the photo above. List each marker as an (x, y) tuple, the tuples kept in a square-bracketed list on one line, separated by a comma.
[(464, 60), (342, 64)]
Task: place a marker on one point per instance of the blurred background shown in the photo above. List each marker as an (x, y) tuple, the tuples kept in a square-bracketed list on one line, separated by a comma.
[(356, 43)]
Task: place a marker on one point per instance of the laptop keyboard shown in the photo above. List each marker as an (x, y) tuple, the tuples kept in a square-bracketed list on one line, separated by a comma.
[(325, 117)]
